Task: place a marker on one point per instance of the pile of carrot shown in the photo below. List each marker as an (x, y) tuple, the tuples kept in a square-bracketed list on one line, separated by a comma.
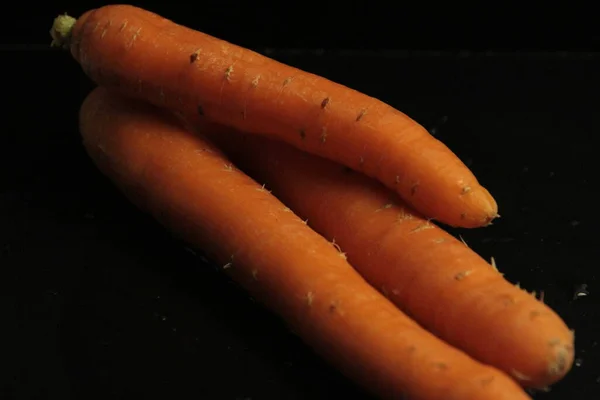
[(320, 201)]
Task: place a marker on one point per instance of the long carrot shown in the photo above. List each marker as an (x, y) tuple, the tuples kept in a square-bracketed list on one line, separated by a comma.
[(152, 58), (435, 278), (191, 188)]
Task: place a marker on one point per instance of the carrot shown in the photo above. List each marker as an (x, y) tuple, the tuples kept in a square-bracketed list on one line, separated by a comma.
[(192, 189), (445, 286), (146, 56)]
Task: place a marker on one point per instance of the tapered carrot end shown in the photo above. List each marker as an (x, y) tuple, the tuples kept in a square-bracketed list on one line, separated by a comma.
[(479, 209), (563, 356), (61, 31)]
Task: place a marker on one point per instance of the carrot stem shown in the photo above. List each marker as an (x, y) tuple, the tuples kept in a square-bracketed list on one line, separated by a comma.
[(61, 31)]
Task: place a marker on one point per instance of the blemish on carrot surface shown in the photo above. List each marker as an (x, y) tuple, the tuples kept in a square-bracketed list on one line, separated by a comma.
[(403, 216), (384, 207), (286, 209), (123, 26), (413, 188), (105, 29), (325, 102), (287, 81), (462, 274), (228, 167), (228, 73), (323, 136), (310, 296), (439, 240), (194, 56), (466, 189), (486, 381), (422, 227), (302, 134), (507, 299), (397, 179), (255, 81), (255, 274), (332, 307), (134, 37), (441, 366), (361, 114), (534, 314)]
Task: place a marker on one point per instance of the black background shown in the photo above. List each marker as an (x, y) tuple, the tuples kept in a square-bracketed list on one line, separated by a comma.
[(98, 301)]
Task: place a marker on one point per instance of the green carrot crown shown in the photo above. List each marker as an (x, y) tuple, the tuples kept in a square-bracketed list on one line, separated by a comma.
[(61, 31)]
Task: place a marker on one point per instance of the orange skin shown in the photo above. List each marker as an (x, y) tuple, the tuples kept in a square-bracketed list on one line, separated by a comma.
[(445, 286), (149, 57), (192, 188)]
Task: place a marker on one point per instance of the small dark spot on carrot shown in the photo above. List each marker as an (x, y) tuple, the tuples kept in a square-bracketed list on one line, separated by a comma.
[(411, 349), (486, 381), (413, 189), (302, 134), (462, 275), (325, 102), (332, 308), (323, 136), (463, 215), (194, 56), (534, 314), (361, 114), (200, 110), (288, 80), (507, 299), (441, 366), (466, 189)]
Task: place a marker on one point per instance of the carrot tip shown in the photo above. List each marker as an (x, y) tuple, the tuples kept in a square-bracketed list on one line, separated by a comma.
[(61, 31), (562, 361)]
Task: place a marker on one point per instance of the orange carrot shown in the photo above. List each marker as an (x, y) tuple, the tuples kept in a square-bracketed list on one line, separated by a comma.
[(192, 189), (146, 56), (445, 286)]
